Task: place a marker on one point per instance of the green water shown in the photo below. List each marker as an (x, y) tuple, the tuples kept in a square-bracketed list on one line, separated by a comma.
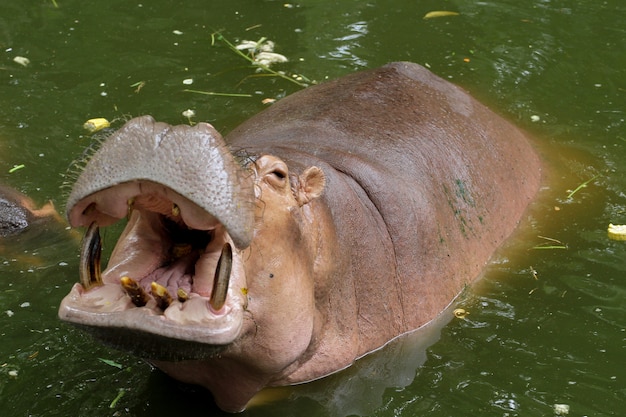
[(531, 340)]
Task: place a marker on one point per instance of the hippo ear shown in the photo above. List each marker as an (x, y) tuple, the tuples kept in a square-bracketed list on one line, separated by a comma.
[(310, 185)]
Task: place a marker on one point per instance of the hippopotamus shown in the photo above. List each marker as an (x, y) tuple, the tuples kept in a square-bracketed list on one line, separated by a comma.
[(18, 212), (339, 218)]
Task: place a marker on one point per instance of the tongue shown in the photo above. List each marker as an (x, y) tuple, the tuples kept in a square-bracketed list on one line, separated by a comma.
[(172, 277)]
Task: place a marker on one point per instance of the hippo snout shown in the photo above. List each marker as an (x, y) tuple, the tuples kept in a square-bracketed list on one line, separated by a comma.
[(192, 165)]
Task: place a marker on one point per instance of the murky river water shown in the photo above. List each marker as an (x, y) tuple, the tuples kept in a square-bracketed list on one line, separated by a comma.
[(546, 326)]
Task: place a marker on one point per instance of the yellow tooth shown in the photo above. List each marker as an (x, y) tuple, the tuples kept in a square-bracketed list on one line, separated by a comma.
[(138, 295), (161, 295), (182, 295), (175, 210), (130, 204)]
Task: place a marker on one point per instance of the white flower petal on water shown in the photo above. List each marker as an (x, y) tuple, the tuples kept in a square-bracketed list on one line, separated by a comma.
[(247, 46), (23, 61), (267, 46), (263, 46), (269, 58), (188, 81), (561, 409), (189, 113)]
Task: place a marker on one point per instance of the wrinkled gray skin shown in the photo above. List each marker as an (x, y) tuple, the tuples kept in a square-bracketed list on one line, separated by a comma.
[(357, 210)]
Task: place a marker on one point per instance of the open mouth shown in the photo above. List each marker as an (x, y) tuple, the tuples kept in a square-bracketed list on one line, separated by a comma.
[(173, 273), (176, 271)]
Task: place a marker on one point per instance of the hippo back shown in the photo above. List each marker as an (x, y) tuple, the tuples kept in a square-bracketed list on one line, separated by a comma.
[(423, 184)]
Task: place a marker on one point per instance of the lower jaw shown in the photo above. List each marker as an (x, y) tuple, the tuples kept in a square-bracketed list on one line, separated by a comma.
[(189, 330), (152, 347)]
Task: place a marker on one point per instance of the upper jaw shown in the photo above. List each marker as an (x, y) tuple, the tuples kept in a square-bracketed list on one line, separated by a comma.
[(170, 241)]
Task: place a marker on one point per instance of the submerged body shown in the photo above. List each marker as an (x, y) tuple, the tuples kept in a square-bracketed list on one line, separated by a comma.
[(18, 212), (344, 215)]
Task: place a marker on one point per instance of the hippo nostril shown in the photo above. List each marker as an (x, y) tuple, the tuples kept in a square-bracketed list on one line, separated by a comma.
[(89, 209), (280, 174)]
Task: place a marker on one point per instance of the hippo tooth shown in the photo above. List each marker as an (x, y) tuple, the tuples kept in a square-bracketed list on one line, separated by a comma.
[(131, 205), (90, 251), (182, 295), (175, 210), (222, 277), (138, 295), (161, 295)]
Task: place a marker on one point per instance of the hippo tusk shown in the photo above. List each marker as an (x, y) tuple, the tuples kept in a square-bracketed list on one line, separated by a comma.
[(90, 251), (161, 295), (222, 277), (138, 295)]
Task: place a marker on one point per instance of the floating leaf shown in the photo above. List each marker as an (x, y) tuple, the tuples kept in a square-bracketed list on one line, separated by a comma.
[(213, 93), (550, 244), (120, 394), (583, 185), (111, 363), (138, 86), (439, 13)]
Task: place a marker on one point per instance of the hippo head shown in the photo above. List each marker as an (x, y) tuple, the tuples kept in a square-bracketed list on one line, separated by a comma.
[(196, 281)]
